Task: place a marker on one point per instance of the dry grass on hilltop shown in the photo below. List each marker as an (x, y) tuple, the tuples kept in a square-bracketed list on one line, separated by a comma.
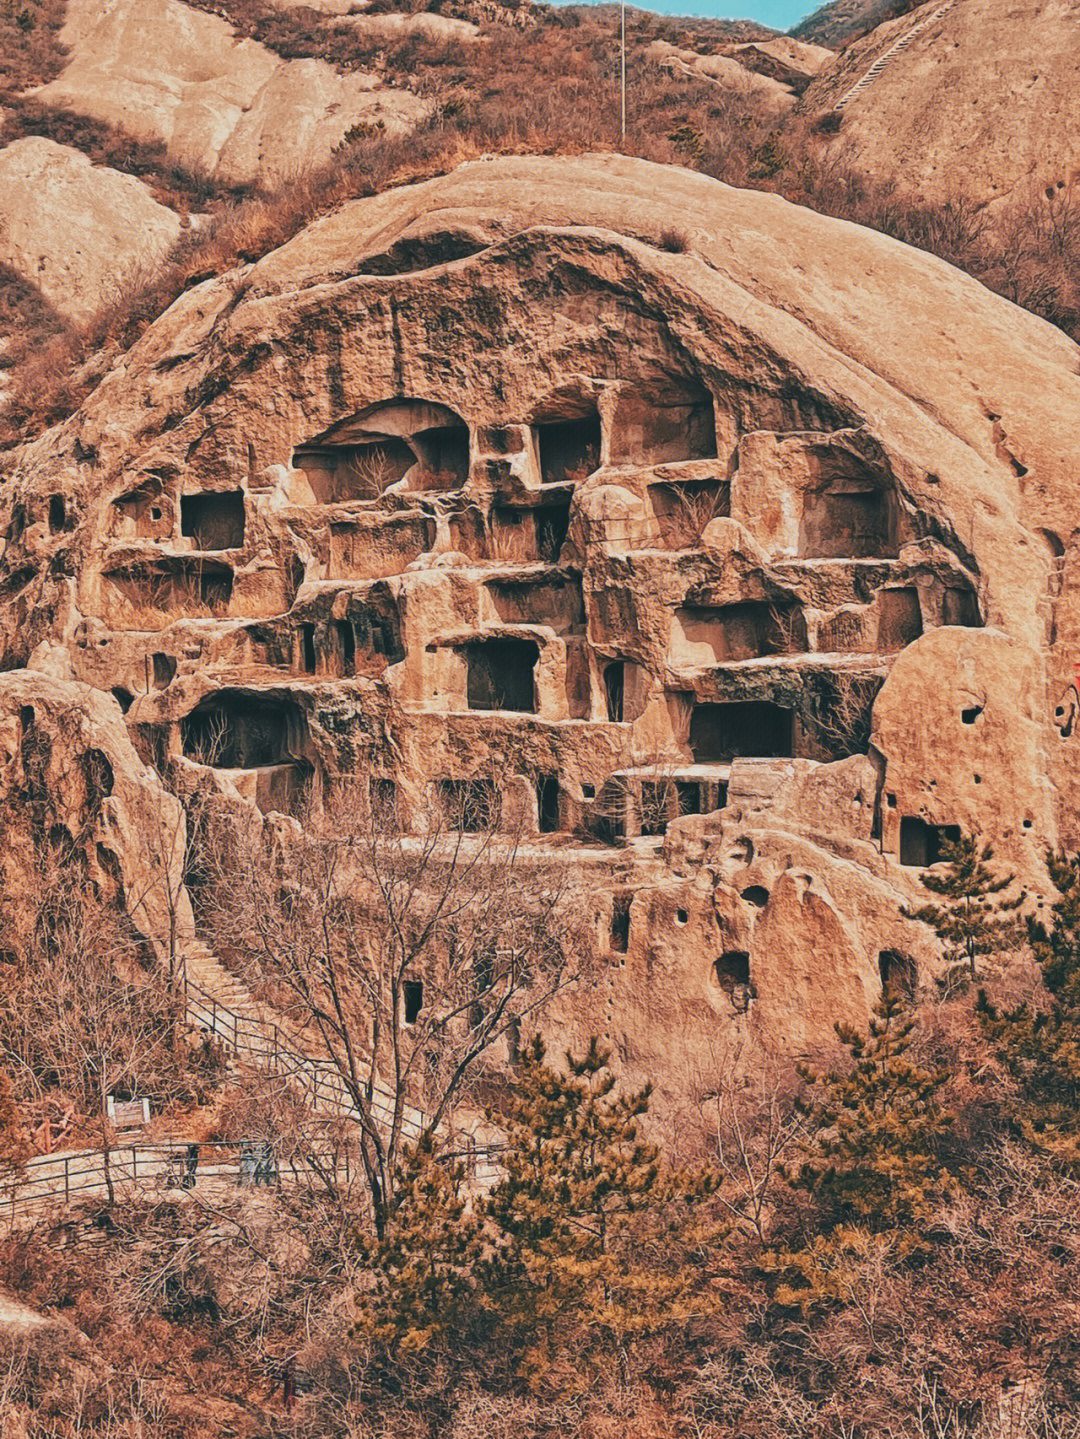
[(548, 88)]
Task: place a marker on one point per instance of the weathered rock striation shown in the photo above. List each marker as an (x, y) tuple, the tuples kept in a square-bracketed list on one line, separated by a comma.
[(740, 560), (222, 106)]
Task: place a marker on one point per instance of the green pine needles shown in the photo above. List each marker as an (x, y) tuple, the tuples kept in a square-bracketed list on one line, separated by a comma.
[(1041, 1046), (872, 1160), (973, 918), (875, 1127), (588, 1241)]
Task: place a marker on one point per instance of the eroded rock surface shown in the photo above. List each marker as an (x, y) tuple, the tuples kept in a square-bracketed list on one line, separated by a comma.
[(79, 232), (747, 563), (73, 780), (730, 71), (223, 106), (384, 29), (792, 62)]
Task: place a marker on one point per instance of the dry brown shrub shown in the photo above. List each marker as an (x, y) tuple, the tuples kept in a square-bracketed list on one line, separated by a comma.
[(30, 48)]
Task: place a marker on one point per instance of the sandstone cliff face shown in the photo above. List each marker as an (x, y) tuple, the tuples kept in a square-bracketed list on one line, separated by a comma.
[(70, 777), (745, 557), (223, 107), (983, 104)]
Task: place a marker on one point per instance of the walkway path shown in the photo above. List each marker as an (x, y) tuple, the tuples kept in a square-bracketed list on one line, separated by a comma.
[(217, 1003), (881, 63), (52, 1180), (220, 1004)]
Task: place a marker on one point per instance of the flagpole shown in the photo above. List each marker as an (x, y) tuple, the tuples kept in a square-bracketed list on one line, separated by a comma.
[(622, 70)]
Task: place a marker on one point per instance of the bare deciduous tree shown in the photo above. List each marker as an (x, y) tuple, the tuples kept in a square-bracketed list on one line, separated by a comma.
[(752, 1125), (409, 956), (842, 721), (85, 1011)]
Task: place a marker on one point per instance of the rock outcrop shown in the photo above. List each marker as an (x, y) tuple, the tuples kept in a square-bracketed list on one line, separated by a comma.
[(727, 71), (384, 29), (744, 556), (70, 778), (793, 62), (222, 106), (79, 232)]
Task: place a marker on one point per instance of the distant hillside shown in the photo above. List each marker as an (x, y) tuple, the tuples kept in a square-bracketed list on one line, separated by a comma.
[(696, 30), (842, 21), (981, 107)]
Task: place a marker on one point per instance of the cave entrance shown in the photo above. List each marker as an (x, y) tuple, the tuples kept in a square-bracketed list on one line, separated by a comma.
[(899, 618), (671, 423), (175, 588), (615, 690), (620, 923), (530, 534), (732, 974), (501, 675), (754, 629), (555, 601), (472, 806), (569, 449), (899, 974), (683, 509), (235, 730), (215, 521), (141, 513), (547, 803), (960, 607), (850, 512), (444, 457), (360, 458), (755, 729), (921, 844), (337, 473)]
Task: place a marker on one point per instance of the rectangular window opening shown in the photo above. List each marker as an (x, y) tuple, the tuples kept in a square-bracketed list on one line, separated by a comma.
[(620, 923), (307, 648), (547, 803), (413, 994), (346, 639)]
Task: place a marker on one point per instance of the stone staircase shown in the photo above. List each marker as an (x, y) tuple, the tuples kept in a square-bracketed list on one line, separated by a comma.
[(881, 63), (220, 1004)]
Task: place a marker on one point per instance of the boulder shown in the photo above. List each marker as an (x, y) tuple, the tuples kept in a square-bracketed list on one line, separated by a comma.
[(747, 562), (80, 232), (222, 106)]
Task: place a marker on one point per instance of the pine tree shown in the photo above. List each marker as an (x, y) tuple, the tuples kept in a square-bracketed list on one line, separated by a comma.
[(972, 918), (425, 1266), (875, 1128), (871, 1159), (1041, 1047), (594, 1231)]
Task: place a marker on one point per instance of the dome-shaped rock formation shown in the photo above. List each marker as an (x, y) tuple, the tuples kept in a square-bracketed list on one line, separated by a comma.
[(763, 526)]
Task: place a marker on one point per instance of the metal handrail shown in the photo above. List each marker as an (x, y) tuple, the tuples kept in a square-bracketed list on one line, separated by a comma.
[(65, 1177), (321, 1083), (90, 1171), (261, 1042)]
